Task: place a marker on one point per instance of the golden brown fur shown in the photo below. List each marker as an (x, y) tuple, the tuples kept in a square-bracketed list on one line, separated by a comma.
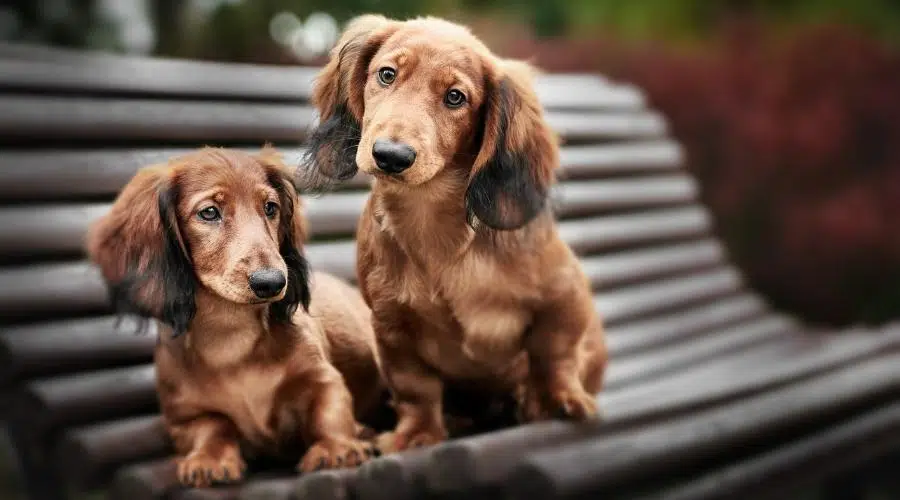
[(458, 255), (235, 369)]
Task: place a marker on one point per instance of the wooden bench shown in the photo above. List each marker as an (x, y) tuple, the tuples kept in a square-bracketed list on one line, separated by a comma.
[(710, 393)]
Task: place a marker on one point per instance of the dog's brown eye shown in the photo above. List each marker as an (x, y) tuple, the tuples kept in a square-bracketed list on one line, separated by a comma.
[(209, 214), (270, 208), (454, 99), (386, 76)]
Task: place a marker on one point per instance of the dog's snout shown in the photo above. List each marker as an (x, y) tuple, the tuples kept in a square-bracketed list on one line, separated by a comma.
[(267, 283), (393, 157)]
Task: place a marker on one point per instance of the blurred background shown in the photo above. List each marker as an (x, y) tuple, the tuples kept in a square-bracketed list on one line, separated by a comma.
[(789, 110)]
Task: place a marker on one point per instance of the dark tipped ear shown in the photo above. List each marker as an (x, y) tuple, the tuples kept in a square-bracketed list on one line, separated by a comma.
[(292, 236), (338, 97), (513, 171), (141, 254)]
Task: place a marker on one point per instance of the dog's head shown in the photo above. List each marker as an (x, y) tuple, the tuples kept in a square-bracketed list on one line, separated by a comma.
[(405, 101), (224, 220)]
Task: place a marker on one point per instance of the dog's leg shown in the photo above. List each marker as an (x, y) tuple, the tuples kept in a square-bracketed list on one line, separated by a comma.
[(327, 423), (561, 380), (210, 451), (417, 394)]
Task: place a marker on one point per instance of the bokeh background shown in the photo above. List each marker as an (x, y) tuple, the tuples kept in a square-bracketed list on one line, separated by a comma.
[(789, 110)]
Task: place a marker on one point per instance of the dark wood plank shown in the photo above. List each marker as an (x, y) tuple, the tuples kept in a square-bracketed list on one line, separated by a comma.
[(89, 455), (803, 463), (632, 370), (59, 229), (60, 289), (71, 345), (34, 69), (668, 329), (638, 301), (680, 445), (72, 174), (112, 120), (469, 464)]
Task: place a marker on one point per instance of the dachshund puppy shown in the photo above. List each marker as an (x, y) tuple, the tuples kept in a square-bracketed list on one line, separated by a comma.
[(210, 245), (458, 253)]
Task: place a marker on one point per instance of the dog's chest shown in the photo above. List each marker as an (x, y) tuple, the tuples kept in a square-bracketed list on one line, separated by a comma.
[(248, 396), (470, 326)]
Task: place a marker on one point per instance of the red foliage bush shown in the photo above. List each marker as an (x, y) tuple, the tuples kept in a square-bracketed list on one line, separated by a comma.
[(796, 143)]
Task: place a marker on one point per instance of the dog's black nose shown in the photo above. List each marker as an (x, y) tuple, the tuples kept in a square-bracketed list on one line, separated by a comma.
[(267, 283), (393, 157)]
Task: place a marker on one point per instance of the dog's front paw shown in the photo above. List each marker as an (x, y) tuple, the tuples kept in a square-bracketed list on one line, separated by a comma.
[(391, 442), (199, 469), (572, 403), (336, 453)]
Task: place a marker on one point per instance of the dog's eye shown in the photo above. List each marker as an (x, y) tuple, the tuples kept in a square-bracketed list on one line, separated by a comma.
[(270, 208), (454, 99), (209, 214), (386, 76)]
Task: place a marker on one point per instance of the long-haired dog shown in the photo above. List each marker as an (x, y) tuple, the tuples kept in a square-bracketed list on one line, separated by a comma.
[(249, 354), (458, 252)]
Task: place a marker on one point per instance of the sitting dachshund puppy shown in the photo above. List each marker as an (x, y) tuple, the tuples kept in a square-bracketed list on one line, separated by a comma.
[(210, 245), (458, 252)]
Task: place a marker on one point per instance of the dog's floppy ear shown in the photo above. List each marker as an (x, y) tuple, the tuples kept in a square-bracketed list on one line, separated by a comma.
[(141, 254), (338, 97), (292, 234), (514, 168)]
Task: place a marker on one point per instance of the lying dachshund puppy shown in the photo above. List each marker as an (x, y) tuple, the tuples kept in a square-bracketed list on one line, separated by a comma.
[(210, 244), (458, 253)]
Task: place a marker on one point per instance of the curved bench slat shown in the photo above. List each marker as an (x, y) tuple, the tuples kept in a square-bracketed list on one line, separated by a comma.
[(70, 345), (112, 120), (805, 462), (59, 229), (104, 74), (72, 174), (488, 460), (687, 444), (73, 288)]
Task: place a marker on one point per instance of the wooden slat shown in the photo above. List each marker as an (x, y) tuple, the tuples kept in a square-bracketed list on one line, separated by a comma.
[(392, 477), (630, 370), (487, 460), (590, 197), (88, 397), (613, 270), (59, 229), (325, 485), (76, 288), (804, 463), (157, 77), (77, 72), (90, 454), (583, 127), (641, 300), (75, 344), (594, 466), (145, 481), (72, 174), (81, 118), (762, 368), (591, 161), (51, 290), (600, 233), (659, 331), (111, 120)]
